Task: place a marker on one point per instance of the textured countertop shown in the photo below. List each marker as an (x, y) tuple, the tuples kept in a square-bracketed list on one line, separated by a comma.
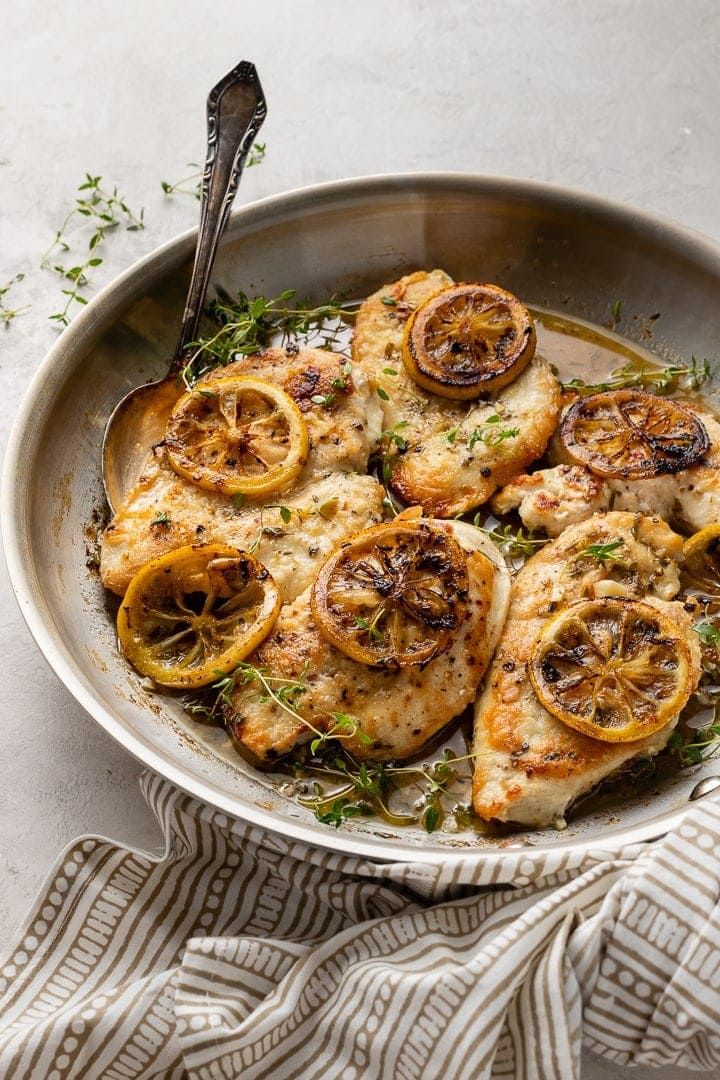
[(612, 97)]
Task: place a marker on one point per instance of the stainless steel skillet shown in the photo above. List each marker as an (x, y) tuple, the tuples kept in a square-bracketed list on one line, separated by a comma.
[(558, 249)]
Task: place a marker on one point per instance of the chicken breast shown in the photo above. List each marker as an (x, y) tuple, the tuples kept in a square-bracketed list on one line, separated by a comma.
[(321, 514), (448, 456), (399, 710), (550, 499), (530, 766), (328, 502), (690, 499)]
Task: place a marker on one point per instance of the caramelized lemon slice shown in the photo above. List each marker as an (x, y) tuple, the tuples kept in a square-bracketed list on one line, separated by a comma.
[(631, 435), (614, 669), (468, 340), (237, 435), (701, 568), (196, 612), (395, 594)]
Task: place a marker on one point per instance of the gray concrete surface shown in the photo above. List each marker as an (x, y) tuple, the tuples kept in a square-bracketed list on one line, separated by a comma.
[(618, 97)]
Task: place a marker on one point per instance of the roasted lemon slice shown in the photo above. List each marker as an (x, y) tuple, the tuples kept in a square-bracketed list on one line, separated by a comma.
[(631, 435), (196, 612), (701, 567), (237, 435), (614, 669), (468, 340), (395, 594)]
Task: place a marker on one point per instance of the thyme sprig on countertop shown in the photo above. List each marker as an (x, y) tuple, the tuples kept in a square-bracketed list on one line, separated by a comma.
[(8, 314), (673, 377), (248, 324), (103, 210)]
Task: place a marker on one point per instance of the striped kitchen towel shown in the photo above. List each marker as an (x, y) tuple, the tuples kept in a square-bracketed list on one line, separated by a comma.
[(237, 953)]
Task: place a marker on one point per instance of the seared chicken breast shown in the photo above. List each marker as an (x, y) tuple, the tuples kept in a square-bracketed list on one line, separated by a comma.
[(448, 456), (324, 512), (397, 709), (530, 766), (550, 499), (330, 500)]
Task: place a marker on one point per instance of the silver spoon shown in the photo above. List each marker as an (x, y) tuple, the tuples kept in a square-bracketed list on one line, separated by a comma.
[(235, 112)]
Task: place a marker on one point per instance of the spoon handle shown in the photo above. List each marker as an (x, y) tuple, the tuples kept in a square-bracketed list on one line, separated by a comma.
[(235, 111)]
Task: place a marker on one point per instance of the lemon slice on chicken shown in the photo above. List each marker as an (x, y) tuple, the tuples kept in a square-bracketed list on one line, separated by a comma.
[(239, 435), (632, 435), (468, 340), (617, 670), (394, 595), (195, 613)]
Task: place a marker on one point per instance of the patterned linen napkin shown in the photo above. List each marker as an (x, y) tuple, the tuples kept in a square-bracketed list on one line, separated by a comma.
[(241, 954)]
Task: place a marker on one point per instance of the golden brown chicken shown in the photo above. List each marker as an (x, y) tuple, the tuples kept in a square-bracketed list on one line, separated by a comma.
[(290, 531), (394, 710), (448, 456), (549, 499), (531, 766)]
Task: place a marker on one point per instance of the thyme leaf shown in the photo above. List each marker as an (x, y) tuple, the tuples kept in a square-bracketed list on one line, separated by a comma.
[(491, 434), (604, 553), (697, 747), (512, 541), (708, 633), (162, 519), (391, 443), (373, 784)]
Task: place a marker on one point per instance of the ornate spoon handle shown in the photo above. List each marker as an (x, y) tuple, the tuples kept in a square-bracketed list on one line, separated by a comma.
[(235, 111)]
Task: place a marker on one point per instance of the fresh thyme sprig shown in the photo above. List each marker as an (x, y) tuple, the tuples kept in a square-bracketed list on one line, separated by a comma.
[(246, 325), (512, 541), (604, 553), (285, 694), (688, 377), (162, 519), (6, 313), (700, 746), (343, 727), (391, 443), (101, 209), (491, 433), (366, 788), (708, 632), (180, 187)]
